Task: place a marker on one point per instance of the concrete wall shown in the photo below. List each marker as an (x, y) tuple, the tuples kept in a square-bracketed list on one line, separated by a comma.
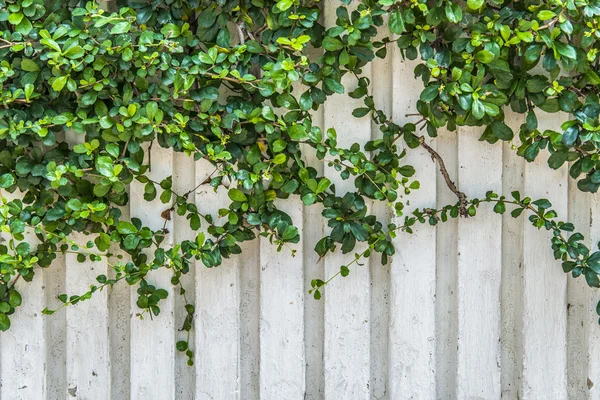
[(471, 309)]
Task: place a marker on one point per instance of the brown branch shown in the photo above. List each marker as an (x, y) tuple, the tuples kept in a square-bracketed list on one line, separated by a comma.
[(549, 24), (204, 182), (240, 31), (462, 198)]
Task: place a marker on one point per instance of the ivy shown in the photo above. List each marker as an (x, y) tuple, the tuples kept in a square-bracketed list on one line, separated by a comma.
[(89, 88)]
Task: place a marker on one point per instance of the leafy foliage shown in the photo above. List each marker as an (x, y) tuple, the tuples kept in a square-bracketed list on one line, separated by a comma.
[(87, 91)]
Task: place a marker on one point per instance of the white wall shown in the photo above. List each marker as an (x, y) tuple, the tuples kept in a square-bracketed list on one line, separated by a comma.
[(471, 309)]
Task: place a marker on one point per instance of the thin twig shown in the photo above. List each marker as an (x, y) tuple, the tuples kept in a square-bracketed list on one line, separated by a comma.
[(240, 31), (462, 198), (204, 182)]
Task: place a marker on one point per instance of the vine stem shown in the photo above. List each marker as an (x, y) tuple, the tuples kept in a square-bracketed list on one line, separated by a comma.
[(462, 198), (433, 212)]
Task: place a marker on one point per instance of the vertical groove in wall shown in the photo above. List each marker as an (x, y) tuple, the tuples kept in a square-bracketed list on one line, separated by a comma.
[(184, 180), (479, 270), (119, 322), (413, 267), (87, 350), (250, 321), (446, 318), (88, 363), (217, 317), (380, 274), (545, 284), (56, 379), (578, 301), (512, 271), (22, 347), (153, 338), (347, 300), (313, 269), (281, 314), (593, 343)]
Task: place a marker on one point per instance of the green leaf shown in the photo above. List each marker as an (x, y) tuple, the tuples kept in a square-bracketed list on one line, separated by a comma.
[(125, 227), (500, 207), (279, 145), (29, 65), (131, 242), (570, 136), (477, 109), (102, 242), (297, 132), (89, 98), (334, 85), (101, 190), (181, 345), (332, 44), (120, 27), (279, 159), (361, 112), (15, 299), (406, 170), (546, 15), (543, 203), (4, 322), (74, 52), (396, 22), (591, 277), (15, 18), (283, 5), (59, 83), (237, 195), (24, 27), (6, 181), (430, 93), (323, 185), (556, 160), (475, 4), (565, 50), (533, 53), (502, 131), (290, 186), (309, 198), (104, 165), (593, 262), (453, 12), (484, 56), (344, 271), (289, 233)]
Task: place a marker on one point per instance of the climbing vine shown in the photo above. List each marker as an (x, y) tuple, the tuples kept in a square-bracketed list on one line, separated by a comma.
[(89, 87)]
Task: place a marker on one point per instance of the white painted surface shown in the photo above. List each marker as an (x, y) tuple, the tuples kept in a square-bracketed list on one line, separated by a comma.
[(281, 331), (347, 306), (88, 360), (544, 287), (592, 345), (511, 334), (347, 301), (411, 371), (479, 271), (380, 274), (152, 356), (480, 310), (23, 348), (217, 316)]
